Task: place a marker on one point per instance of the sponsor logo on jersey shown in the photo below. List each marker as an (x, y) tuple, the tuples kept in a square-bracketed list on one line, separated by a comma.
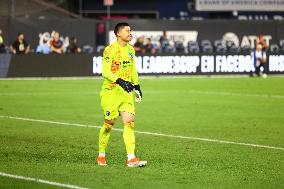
[(107, 113), (125, 63), (130, 55)]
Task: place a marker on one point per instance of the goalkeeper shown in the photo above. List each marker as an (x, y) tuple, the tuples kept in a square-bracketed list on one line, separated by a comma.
[(120, 82)]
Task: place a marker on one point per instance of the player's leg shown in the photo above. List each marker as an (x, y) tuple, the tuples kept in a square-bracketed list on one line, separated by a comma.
[(129, 138), (128, 133), (104, 135), (110, 109), (103, 140)]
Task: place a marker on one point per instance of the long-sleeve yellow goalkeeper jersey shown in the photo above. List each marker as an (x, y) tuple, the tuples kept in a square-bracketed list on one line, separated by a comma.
[(118, 62)]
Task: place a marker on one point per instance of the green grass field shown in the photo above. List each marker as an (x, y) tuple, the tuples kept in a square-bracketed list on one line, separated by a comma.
[(241, 110)]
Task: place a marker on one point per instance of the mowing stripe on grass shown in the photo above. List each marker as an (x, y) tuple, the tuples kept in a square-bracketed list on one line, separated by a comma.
[(218, 93), (236, 94), (40, 181), (147, 133)]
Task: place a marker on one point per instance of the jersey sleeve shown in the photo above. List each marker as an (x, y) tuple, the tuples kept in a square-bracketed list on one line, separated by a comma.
[(134, 76), (106, 65)]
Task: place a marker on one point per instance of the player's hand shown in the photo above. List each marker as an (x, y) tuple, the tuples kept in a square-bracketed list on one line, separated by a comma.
[(137, 93), (126, 85)]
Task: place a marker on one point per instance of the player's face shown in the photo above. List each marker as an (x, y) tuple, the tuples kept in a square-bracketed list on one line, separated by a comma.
[(125, 33)]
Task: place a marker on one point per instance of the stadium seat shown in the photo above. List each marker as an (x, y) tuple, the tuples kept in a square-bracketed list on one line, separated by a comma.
[(235, 49), (193, 49), (207, 49), (87, 49), (274, 48), (218, 43), (221, 49), (166, 47), (100, 48), (192, 43), (219, 46), (206, 46), (232, 47), (246, 49), (205, 42), (179, 47)]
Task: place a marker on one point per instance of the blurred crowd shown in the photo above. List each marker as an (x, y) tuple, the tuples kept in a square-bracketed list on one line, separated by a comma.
[(53, 45), (56, 44), (221, 46)]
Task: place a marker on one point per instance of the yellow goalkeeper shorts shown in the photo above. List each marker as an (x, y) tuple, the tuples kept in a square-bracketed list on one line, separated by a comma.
[(114, 101)]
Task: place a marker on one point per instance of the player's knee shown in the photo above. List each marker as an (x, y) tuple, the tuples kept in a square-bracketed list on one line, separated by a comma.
[(108, 124), (128, 119), (108, 127)]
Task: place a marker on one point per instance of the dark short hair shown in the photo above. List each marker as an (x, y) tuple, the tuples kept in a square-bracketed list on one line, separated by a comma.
[(20, 33), (119, 26)]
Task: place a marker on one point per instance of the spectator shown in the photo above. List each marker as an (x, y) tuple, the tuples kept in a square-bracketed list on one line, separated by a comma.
[(56, 45), (165, 43), (164, 39), (259, 60), (148, 47), (43, 48), (20, 46), (73, 47), (138, 45)]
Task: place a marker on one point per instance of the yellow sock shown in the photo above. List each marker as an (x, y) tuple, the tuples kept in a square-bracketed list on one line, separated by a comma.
[(129, 137), (104, 136)]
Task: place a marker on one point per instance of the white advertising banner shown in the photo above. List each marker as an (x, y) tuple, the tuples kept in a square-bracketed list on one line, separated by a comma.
[(203, 64)]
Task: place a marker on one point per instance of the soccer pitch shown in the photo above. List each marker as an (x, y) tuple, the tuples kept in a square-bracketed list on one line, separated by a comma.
[(194, 133)]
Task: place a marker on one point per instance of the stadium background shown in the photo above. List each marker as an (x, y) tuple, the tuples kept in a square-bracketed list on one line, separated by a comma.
[(188, 32), (224, 131)]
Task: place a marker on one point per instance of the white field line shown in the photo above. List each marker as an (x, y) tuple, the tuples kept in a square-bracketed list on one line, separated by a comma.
[(147, 133), (40, 181), (46, 93)]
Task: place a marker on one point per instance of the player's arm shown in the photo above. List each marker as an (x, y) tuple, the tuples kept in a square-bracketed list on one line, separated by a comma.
[(106, 65), (106, 71)]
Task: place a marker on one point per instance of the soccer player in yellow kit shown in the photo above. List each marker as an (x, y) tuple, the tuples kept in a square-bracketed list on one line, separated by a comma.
[(120, 81)]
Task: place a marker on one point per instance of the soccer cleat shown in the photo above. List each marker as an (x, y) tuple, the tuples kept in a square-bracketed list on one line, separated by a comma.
[(136, 162), (101, 161)]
